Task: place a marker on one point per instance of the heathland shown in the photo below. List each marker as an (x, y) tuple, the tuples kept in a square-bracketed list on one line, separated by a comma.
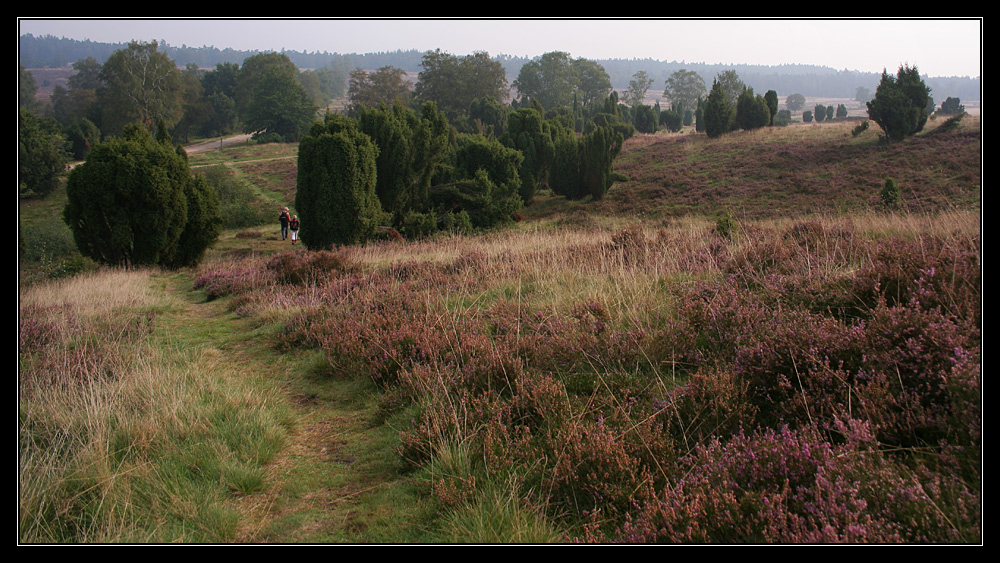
[(747, 340)]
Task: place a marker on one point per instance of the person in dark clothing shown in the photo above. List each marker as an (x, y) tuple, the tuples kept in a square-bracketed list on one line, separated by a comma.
[(283, 218), (294, 226)]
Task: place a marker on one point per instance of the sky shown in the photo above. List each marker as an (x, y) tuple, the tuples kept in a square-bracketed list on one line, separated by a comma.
[(938, 47)]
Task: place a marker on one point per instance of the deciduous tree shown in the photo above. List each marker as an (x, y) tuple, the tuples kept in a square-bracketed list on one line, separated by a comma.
[(550, 80), (593, 83), (139, 84), (684, 88), (383, 86), (795, 102), (41, 154), (453, 83), (270, 99), (635, 94)]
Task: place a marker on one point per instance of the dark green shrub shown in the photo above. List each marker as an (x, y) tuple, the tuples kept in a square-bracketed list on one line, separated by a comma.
[(859, 128), (335, 187), (891, 196), (128, 204)]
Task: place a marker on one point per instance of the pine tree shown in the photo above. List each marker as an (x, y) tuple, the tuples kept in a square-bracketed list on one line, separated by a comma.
[(335, 187), (719, 114), (900, 103)]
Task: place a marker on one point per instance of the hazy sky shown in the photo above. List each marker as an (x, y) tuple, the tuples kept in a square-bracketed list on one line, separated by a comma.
[(938, 47)]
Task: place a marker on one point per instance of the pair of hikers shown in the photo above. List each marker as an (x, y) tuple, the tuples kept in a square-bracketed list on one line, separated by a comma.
[(289, 223)]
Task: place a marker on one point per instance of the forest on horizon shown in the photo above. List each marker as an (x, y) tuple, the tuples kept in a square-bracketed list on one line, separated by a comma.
[(810, 80)]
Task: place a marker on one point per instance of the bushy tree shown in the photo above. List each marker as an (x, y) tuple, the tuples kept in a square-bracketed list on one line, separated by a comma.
[(771, 97), (129, 204), (900, 103), (41, 154), (719, 113), (646, 119), (951, 106), (139, 84), (203, 225), (564, 177), (598, 150), (730, 84), (684, 89), (819, 112), (270, 99), (411, 148), (795, 102), (670, 120), (529, 133), (489, 116), (483, 184), (890, 196), (335, 186), (751, 111)]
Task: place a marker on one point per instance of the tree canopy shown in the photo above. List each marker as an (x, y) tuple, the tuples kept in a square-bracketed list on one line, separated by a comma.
[(684, 88), (139, 84), (554, 78), (387, 85), (270, 98), (454, 83)]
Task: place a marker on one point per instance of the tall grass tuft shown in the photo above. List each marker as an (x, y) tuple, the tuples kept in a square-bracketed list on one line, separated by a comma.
[(124, 439)]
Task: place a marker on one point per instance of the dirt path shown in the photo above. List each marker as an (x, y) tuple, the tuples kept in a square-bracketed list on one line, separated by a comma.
[(337, 479), (217, 144)]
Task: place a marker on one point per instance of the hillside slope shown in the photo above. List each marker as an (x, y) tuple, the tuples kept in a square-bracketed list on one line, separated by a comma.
[(790, 171)]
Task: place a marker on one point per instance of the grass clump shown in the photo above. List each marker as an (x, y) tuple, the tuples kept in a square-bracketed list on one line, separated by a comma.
[(123, 438)]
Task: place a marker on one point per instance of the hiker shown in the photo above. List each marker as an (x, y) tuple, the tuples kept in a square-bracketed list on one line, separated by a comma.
[(283, 219), (294, 226)]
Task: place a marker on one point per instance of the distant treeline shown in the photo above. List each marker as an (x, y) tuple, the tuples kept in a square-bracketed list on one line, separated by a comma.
[(809, 80)]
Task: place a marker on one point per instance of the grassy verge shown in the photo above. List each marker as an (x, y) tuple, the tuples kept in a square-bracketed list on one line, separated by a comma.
[(148, 415)]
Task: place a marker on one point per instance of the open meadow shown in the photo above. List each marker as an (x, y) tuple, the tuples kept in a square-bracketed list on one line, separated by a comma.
[(740, 343)]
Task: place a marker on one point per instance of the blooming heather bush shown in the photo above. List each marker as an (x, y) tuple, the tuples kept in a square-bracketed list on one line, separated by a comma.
[(309, 268), (229, 278), (946, 273), (802, 383), (794, 486)]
